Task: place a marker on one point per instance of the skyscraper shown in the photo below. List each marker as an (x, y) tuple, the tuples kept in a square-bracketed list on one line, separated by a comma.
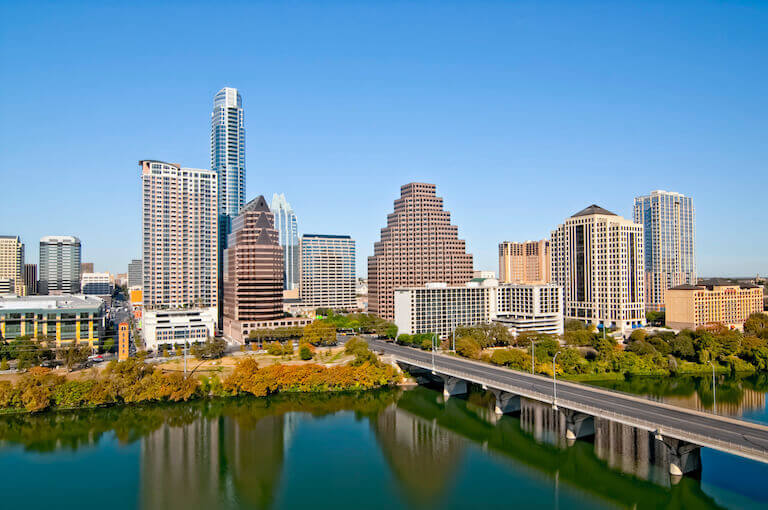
[(669, 222), (135, 271), (419, 245), (597, 257), (525, 263), (228, 156), (288, 230), (328, 271), (179, 236), (12, 264), (59, 265), (30, 278), (253, 271)]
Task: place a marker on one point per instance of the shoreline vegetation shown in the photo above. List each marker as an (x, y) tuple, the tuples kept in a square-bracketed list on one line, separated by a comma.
[(586, 354), (135, 381)]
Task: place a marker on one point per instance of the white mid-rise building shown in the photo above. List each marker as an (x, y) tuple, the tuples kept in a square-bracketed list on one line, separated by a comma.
[(597, 257), (328, 271), (175, 327), (97, 284), (440, 308)]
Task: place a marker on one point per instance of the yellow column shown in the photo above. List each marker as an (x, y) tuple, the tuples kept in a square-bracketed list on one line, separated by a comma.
[(58, 332), (23, 324)]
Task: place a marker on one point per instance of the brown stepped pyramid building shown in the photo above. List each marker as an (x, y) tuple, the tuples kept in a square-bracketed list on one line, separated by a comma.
[(418, 246), (253, 271)]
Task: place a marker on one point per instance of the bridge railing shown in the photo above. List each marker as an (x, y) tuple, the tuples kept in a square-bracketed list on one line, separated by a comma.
[(755, 453)]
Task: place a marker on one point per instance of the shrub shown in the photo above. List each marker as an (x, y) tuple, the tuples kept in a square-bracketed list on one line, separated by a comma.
[(275, 349), (304, 352), (513, 358), (468, 347)]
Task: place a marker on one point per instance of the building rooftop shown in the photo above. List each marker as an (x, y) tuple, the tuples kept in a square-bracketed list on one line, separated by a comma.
[(321, 236), (66, 301), (258, 204), (593, 209), (711, 284)]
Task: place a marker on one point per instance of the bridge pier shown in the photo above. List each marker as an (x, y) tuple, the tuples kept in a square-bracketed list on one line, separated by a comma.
[(684, 457), (453, 386), (506, 402), (578, 424)]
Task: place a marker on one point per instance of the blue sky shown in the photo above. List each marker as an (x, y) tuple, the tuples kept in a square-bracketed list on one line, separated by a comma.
[(521, 112)]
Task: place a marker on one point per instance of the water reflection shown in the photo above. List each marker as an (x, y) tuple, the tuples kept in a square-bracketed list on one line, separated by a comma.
[(233, 453)]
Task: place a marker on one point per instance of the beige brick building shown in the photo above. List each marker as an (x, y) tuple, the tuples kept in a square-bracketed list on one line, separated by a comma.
[(12, 264), (528, 262), (418, 246), (691, 306)]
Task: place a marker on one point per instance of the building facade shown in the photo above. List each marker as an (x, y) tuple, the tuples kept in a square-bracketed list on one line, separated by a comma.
[(228, 156), (328, 271), (668, 219), (12, 264), (526, 262), (180, 236), (86, 267), (253, 271), (597, 257), (96, 284), (168, 328), (691, 306), (440, 308), (30, 278), (135, 273), (288, 230), (59, 268), (59, 319), (418, 246)]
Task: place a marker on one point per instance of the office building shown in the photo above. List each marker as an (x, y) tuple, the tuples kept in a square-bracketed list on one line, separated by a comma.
[(135, 273), (171, 328), (418, 246), (597, 257), (691, 306), (526, 262), (30, 278), (86, 267), (483, 275), (12, 265), (440, 308), (328, 271), (669, 222), (59, 319), (179, 233), (253, 271), (59, 268), (96, 284), (288, 230)]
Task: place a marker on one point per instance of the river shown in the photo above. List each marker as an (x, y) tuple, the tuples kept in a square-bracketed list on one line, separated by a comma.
[(389, 449)]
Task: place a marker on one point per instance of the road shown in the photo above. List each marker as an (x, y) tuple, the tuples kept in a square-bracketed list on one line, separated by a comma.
[(721, 433)]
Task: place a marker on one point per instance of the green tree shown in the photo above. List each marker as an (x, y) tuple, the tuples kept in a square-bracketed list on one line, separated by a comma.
[(213, 348), (320, 333), (757, 325), (468, 347), (109, 344), (513, 358), (73, 355), (305, 353)]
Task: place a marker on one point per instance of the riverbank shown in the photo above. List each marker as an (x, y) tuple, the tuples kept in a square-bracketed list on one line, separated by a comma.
[(137, 381)]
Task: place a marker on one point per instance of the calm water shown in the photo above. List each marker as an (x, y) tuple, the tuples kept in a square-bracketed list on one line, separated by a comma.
[(380, 450)]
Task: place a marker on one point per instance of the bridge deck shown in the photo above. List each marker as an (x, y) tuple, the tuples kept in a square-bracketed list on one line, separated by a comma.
[(718, 432)]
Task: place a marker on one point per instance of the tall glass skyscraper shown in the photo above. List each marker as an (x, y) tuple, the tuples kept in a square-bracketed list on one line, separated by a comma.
[(59, 269), (669, 222), (286, 225), (228, 156)]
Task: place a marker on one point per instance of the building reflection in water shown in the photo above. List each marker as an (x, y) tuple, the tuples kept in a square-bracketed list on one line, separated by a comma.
[(422, 455), (228, 461)]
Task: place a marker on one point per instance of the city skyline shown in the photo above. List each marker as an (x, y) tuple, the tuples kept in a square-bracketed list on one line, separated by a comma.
[(677, 122)]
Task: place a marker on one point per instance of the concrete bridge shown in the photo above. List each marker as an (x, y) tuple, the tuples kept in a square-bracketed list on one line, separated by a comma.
[(682, 431)]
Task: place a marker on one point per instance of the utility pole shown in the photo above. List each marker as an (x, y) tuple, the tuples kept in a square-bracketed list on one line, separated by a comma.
[(554, 379)]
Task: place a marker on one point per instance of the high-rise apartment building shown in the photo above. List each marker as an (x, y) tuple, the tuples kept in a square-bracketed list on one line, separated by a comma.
[(669, 222), (288, 230), (180, 236), (253, 271), (419, 245), (30, 278), (597, 257), (528, 262), (135, 272), (12, 264), (228, 156), (59, 268), (328, 271)]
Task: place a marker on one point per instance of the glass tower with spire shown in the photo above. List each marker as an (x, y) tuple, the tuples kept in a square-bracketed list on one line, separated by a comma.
[(228, 156), (287, 227)]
